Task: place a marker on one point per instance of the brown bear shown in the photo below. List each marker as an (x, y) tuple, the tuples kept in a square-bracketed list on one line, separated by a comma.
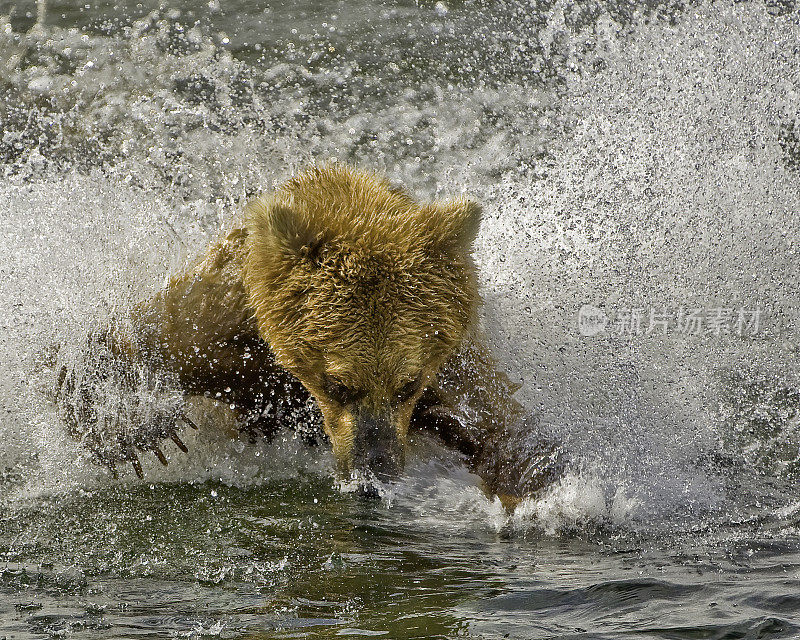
[(341, 288)]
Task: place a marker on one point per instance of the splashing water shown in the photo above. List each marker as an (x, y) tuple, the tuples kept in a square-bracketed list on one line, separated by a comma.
[(639, 259), (670, 190), (661, 156)]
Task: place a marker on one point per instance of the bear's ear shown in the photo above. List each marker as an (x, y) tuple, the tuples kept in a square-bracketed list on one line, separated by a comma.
[(454, 225), (285, 231)]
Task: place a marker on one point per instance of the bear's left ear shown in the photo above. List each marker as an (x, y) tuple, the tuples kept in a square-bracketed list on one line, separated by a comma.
[(278, 228), (454, 225)]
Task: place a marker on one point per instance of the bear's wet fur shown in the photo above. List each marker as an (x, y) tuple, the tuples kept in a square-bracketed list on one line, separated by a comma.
[(339, 287)]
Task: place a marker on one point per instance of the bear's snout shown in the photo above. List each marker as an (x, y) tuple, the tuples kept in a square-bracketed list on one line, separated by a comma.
[(377, 447)]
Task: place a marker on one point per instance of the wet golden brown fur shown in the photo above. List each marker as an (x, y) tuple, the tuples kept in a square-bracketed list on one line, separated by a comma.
[(341, 286)]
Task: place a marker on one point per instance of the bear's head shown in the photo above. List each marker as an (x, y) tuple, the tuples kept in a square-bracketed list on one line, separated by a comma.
[(362, 293)]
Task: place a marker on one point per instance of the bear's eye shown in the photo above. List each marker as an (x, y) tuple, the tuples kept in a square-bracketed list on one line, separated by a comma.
[(407, 390), (340, 392)]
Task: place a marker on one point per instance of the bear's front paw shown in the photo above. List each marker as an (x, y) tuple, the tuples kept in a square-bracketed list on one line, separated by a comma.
[(115, 407), (519, 465)]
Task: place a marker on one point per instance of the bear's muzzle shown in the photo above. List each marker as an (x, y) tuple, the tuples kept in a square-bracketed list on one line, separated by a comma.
[(377, 448)]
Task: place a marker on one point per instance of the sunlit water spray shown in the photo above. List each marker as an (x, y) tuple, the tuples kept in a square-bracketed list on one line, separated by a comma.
[(652, 174), (672, 191)]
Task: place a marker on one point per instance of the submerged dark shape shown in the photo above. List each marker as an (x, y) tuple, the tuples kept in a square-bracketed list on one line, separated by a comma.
[(339, 287)]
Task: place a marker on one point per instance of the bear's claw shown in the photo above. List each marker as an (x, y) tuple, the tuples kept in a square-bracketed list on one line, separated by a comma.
[(174, 437), (134, 460), (117, 407), (182, 415), (160, 455)]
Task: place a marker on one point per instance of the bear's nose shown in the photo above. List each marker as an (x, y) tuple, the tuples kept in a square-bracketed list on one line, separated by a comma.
[(376, 447)]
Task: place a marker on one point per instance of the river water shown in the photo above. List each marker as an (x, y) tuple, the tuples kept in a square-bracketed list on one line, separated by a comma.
[(639, 167)]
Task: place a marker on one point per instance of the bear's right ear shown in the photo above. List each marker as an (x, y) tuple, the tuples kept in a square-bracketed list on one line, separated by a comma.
[(279, 229)]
